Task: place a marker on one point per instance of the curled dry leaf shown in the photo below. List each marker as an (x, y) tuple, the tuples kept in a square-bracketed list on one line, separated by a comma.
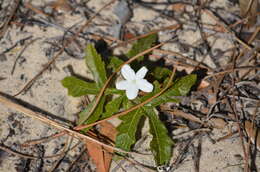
[(253, 134)]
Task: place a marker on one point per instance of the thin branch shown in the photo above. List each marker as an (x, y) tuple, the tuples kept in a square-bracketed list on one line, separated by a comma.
[(46, 139), (40, 117), (232, 70), (228, 30), (9, 150), (184, 57), (20, 54)]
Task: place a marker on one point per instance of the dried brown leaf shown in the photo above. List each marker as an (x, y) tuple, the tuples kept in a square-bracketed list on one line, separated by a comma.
[(108, 130), (95, 151), (101, 156)]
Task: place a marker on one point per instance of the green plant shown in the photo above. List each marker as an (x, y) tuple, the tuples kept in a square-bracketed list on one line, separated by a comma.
[(103, 107)]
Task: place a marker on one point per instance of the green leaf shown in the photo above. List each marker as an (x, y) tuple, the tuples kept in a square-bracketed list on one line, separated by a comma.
[(114, 91), (84, 115), (161, 72), (86, 118), (125, 102), (77, 87), (142, 45), (95, 65), (181, 87), (127, 129), (112, 107), (114, 63), (161, 143)]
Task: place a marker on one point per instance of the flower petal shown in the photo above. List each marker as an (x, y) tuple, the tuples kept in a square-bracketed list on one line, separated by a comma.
[(131, 91), (141, 73), (144, 85), (128, 73), (122, 85)]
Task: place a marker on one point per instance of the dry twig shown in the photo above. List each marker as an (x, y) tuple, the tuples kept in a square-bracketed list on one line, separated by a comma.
[(71, 39), (40, 117)]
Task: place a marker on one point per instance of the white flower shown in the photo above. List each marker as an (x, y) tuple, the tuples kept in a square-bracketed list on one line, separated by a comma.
[(134, 81)]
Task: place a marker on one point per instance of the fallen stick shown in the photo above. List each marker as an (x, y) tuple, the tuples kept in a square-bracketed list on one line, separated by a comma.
[(36, 115)]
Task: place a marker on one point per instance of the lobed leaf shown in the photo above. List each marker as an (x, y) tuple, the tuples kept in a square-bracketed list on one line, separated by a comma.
[(161, 143), (112, 107), (86, 118), (142, 45), (77, 87), (114, 63), (127, 129), (161, 72), (181, 87), (95, 65)]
